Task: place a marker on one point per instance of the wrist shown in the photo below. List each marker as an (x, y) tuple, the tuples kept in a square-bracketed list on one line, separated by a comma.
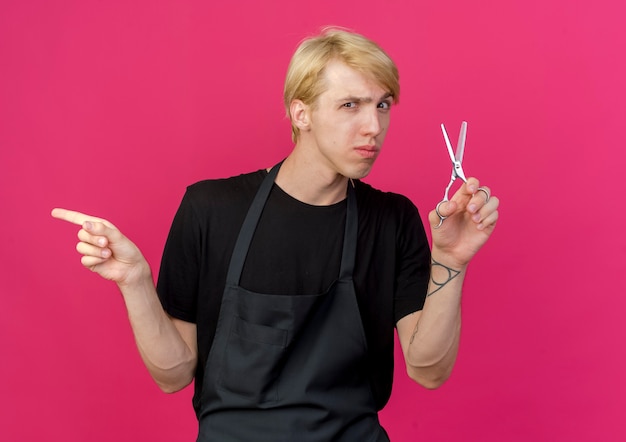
[(140, 276), (449, 260)]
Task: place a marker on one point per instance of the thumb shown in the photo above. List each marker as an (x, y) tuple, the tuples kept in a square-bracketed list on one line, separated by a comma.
[(445, 209)]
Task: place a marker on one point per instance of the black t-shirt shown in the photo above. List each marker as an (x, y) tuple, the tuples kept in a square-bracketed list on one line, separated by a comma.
[(296, 249)]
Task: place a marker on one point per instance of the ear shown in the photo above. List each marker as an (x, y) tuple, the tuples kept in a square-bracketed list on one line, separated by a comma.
[(300, 115)]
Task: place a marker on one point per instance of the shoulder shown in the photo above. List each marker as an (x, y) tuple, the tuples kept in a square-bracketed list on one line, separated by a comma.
[(372, 199), (225, 190), (390, 214)]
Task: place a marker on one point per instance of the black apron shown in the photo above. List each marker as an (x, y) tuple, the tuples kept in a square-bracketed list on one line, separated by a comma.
[(289, 367)]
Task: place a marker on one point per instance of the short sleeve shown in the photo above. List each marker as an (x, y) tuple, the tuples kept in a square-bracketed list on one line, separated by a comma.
[(177, 284), (413, 262)]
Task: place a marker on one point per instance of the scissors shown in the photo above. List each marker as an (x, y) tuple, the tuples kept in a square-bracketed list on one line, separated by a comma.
[(457, 167)]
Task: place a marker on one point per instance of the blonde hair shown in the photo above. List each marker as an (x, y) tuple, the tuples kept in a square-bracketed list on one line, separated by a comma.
[(305, 80)]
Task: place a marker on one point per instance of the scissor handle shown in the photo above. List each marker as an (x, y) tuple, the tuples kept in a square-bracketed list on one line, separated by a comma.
[(441, 217)]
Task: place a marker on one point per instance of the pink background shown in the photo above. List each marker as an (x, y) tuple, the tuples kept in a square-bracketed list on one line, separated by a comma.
[(113, 107)]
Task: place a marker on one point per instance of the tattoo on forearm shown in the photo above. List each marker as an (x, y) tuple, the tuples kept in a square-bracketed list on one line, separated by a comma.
[(448, 275)]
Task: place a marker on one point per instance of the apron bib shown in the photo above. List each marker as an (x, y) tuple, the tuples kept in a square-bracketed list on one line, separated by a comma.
[(289, 367)]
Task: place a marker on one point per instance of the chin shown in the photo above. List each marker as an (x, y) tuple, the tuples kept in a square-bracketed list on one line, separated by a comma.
[(358, 173)]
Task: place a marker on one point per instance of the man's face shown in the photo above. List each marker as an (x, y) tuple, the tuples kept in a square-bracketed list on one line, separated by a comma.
[(349, 121)]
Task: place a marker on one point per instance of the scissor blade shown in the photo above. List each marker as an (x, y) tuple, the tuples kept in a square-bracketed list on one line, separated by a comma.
[(460, 148), (448, 145)]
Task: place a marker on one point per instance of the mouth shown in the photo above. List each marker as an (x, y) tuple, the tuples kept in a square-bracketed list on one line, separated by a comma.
[(367, 151)]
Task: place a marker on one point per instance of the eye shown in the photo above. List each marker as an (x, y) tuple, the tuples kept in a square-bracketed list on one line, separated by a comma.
[(385, 105), (349, 105)]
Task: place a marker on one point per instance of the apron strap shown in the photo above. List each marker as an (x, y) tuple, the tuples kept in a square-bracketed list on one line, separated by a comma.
[(248, 227), (348, 254)]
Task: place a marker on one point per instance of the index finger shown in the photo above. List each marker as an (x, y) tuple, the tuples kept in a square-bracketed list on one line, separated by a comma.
[(466, 191), (74, 217)]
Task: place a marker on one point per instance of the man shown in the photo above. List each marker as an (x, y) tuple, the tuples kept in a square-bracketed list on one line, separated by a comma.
[(279, 289)]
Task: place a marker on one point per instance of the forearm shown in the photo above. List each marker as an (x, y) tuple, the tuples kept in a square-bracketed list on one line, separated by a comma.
[(430, 338), (434, 342), (167, 346), (170, 360)]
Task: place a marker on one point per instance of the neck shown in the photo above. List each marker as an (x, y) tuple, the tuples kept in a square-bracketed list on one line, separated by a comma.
[(307, 182)]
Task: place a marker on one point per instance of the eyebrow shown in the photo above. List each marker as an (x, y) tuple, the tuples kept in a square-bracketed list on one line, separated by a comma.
[(364, 99)]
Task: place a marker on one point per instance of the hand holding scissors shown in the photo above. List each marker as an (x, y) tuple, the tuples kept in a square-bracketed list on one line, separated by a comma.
[(457, 167)]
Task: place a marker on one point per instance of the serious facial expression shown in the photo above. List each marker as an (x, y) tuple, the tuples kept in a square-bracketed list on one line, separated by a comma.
[(349, 121)]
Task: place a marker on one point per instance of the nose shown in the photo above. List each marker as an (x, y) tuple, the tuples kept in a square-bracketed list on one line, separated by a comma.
[(372, 125)]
